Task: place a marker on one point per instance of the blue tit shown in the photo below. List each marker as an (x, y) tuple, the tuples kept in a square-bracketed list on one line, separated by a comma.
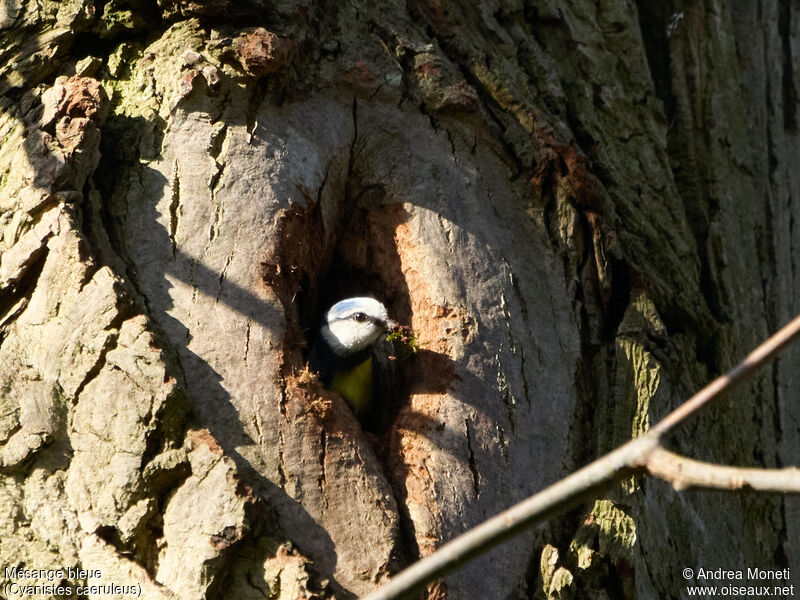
[(344, 354)]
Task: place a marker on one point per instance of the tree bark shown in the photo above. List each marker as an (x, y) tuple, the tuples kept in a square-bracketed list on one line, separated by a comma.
[(585, 210)]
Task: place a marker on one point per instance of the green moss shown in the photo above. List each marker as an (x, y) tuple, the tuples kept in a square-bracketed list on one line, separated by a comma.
[(602, 549), (120, 61), (404, 343), (617, 532), (639, 383), (118, 18)]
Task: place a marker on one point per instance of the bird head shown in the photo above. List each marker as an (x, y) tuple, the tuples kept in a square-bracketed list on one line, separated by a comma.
[(354, 324)]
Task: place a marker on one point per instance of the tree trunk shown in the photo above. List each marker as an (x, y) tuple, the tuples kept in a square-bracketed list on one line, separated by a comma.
[(584, 209)]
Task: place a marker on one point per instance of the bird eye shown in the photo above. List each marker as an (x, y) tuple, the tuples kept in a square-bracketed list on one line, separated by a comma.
[(360, 317)]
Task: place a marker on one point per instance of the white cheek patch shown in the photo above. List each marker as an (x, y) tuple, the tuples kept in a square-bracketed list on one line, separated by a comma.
[(347, 336)]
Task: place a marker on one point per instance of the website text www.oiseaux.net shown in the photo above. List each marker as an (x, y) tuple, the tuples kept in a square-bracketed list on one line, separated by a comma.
[(733, 583)]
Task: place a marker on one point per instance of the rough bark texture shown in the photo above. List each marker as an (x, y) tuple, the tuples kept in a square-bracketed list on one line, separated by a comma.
[(584, 209)]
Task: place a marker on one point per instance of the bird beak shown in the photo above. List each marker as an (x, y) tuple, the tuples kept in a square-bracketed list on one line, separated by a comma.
[(388, 324)]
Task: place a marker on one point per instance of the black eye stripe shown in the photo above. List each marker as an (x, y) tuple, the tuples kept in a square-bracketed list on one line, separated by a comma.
[(358, 317)]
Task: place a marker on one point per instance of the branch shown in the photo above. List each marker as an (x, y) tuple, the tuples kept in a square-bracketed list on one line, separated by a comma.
[(599, 475), (684, 472), (753, 361)]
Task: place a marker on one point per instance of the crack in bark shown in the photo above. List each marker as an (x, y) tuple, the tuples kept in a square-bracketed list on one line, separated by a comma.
[(282, 401), (323, 454), (222, 275), (214, 150), (281, 467), (254, 101), (788, 88), (508, 404), (501, 435), (213, 231), (492, 108), (322, 187), (776, 413), (792, 252), (351, 159), (94, 371), (218, 137), (447, 231), (91, 270), (11, 314), (516, 349), (522, 366), (13, 430), (15, 297), (523, 306), (256, 421), (247, 341), (223, 104), (507, 319), (174, 209), (452, 144), (215, 177), (473, 467), (193, 283)]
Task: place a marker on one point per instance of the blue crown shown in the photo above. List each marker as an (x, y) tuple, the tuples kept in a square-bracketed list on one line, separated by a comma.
[(345, 308)]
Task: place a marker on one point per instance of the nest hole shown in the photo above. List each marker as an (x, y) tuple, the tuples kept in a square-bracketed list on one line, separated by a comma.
[(311, 274), (363, 262)]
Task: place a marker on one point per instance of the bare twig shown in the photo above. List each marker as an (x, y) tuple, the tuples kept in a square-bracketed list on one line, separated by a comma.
[(758, 357), (684, 472), (559, 497), (599, 475)]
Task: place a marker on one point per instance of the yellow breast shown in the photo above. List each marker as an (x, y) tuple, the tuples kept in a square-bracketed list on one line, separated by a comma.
[(355, 385)]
